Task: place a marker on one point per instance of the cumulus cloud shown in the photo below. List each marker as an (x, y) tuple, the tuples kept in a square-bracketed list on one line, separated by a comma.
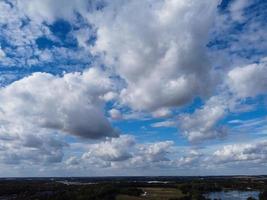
[(35, 112), (115, 114), (115, 149), (238, 37), (71, 161), (156, 152), (254, 152), (162, 59), (125, 152), (249, 80), (237, 9), (31, 149), (18, 35), (49, 10), (27, 33), (153, 57), (163, 64), (71, 103), (193, 158), (204, 122), (162, 112)]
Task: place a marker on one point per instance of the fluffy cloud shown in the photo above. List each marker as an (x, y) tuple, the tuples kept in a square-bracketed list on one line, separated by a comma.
[(32, 149), (254, 152), (49, 10), (156, 152), (162, 112), (116, 149), (71, 104), (238, 36), (237, 9), (193, 158), (162, 59), (28, 39), (153, 57), (204, 122), (250, 80), (240, 82), (125, 152), (36, 110), (115, 114)]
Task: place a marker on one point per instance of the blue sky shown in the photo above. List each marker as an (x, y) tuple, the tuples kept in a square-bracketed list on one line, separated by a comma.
[(96, 88)]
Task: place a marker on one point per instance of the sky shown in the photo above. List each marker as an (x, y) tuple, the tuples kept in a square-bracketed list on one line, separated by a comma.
[(133, 87)]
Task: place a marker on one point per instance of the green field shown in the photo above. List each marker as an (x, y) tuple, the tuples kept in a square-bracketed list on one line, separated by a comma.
[(154, 194)]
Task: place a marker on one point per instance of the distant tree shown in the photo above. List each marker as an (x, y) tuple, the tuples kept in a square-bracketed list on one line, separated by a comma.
[(263, 195), (251, 198), (182, 198)]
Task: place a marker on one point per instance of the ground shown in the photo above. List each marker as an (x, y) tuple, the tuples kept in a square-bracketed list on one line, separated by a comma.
[(154, 194)]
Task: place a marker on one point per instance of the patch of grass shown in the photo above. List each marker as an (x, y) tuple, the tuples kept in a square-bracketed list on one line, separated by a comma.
[(162, 193), (127, 197), (154, 194)]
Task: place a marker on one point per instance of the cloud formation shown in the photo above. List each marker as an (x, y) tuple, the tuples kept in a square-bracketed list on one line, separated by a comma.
[(203, 123), (254, 152), (116, 149), (163, 62), (120, 153), (71, 103), (72, 72), (249, 80), (125, 152)]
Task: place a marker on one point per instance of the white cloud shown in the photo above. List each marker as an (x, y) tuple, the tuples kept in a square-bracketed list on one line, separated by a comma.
[(71, 103), (203, 123), (34, 149), (25, 22), (237, 9), (237, 37), (157, 151), (49, 10), (192, 158), (72, 161), (167, 123), (162, 112), (125, 152), (253, 152), (2, 53), (36, 110), (156, 54), (19, 33), (115, 114), (120, 153), (115, 149), (250, 80), (162, 59), (110, 96)]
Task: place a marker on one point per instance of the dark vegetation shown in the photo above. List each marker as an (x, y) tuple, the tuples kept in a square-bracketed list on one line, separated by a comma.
[(42, 190), (126, 187)]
